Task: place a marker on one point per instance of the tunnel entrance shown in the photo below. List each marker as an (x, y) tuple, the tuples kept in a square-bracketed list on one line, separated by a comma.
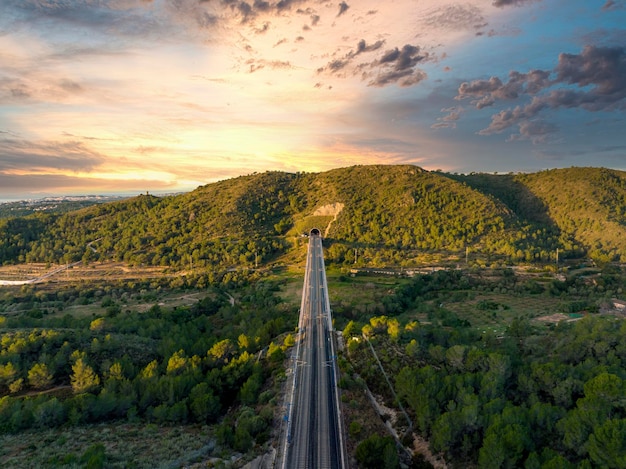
[(315, 232)]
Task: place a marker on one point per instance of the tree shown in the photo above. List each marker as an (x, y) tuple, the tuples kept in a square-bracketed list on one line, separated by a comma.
[(116, 372), (177, 363), (204, 405), (39, 377), (8, 373), (97, 325), (49, 413), (249, 392), (150, 371), (376, 452), (16, 386), (83, 378), (289, 341), (222, 350), (607, 444), (243, 342)]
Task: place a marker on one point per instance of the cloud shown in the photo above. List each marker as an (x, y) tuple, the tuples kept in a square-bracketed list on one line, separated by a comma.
[(537, 131), (343, 7), (287, 4), (613, 5), (362, 47), (261, 5), (587, 151), (506, 3), (604, 68), (256, 65), (449, 120), (107, 18), (398, 65), (19, 156), (36, 185), (489, 91), (455, 17), (393, 66), (594, 80)]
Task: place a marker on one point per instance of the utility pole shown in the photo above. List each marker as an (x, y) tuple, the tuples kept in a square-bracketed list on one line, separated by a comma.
[(356, 253)]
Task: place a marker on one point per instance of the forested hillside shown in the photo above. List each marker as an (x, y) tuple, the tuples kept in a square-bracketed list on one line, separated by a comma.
[(584, 204), (390, 213)]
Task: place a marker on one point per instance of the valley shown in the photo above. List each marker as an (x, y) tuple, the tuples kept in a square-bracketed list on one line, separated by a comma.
[(176, 328)]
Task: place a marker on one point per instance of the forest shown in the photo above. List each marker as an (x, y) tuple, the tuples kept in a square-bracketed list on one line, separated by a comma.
[(533, 396), (193, 355), (394, 214), (186, 365)]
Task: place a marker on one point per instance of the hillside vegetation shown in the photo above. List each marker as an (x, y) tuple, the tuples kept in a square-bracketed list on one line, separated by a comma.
[(390, 215)]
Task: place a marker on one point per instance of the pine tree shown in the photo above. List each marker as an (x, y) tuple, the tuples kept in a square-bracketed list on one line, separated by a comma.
[(83, 378)]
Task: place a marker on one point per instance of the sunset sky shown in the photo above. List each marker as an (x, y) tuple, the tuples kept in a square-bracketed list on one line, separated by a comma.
[(128, 96)]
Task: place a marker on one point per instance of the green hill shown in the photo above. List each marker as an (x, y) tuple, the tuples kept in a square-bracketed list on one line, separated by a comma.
[(586, 206), (389, 214)]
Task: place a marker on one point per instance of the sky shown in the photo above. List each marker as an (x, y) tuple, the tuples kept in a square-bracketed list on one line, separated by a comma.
[(129, 96)]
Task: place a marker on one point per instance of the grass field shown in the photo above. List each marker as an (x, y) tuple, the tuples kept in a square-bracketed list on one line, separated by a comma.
[(126, 445), (93, 271)]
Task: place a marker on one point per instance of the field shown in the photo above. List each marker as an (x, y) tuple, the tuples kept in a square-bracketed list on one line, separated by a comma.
[(486, 300), (126, 445)]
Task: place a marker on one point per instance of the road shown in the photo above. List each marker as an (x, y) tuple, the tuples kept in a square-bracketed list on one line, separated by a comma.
[(314, 431)]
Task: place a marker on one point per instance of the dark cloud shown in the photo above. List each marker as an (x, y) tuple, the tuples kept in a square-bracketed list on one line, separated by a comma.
[(408, 57), (256, 65), (343, 7), (35, 157), (537, 131), (99, 19), (27, 88), (488, 91), (594, 80), (506, 3), (398, 66), (261, 6), (404, 78), (361, 48), (613, 5), (602, 67), (394, 66), (245, 9), (336, 65), (35, 185), (287, 4), (315, 19)]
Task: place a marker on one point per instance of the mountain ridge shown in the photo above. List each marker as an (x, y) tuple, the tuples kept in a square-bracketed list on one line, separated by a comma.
[(392, 213)]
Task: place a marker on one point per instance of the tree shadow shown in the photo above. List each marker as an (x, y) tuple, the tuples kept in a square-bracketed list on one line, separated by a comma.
[(512, 193)]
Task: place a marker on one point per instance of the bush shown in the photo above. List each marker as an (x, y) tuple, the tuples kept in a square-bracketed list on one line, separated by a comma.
[(94, 457), (377, 452)]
